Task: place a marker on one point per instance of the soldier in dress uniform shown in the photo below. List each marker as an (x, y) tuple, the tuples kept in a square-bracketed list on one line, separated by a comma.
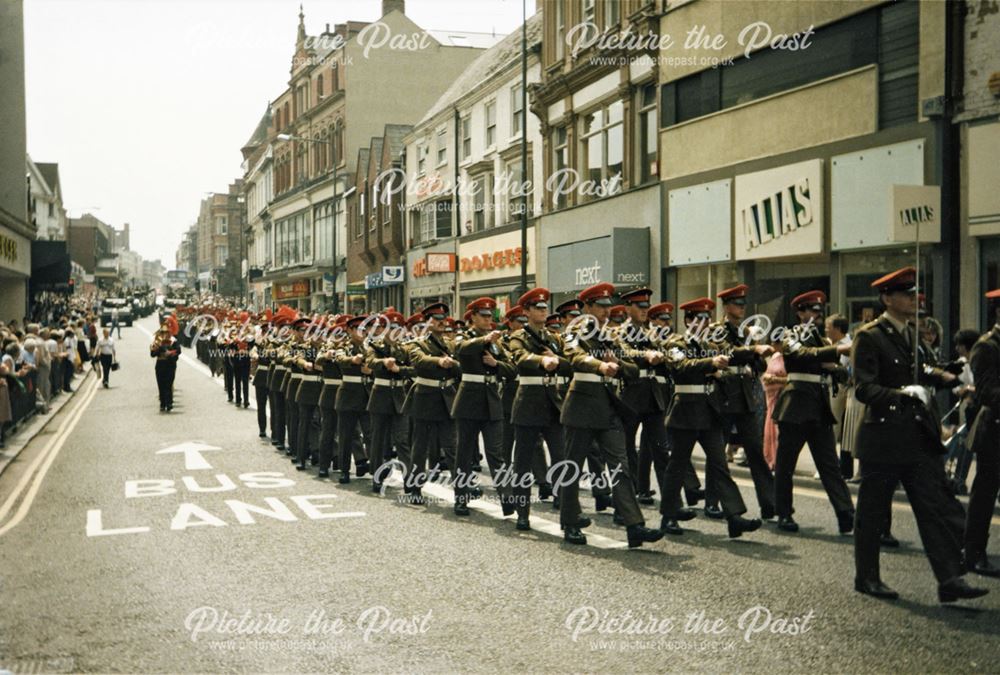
[(694, 418), (307, 397), (291, 384), (540, 362), (643, 396), (431, 398), (240, 358), (741, 392), (390, 366), (900, 441), (514, 320), (330, 372), (227, 344), (985, 442), (352, 399), (260, 361), (617, 315), (803, 413), (277, 372), (478, 409), (554, 324), (592, 411)]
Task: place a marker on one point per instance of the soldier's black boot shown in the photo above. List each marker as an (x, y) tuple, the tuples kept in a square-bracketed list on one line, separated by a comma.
[(670, 526), (573, 535), (692, 497), (617, 519), (523, 523), (640, 534), (738, 525), (324, 473), (957, 589), (361, 468), (886, 540), (345, 477), (875, 588), (645, 498), (685, 514), (845, 522), (713, 511), (602, 502), (462, 506), (787, 524), (376, 487), (544, 491), (978, 563)]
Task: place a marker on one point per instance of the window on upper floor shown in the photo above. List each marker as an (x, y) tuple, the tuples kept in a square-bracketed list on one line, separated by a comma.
[(466, 129), (442, 146), (482, 202), (560, 163), (516, 107), (589, 8), (490, 123), (612, 13), (422, 150), (648, 124), (559, 13), (602, 147), (517, 190), (319, 87)]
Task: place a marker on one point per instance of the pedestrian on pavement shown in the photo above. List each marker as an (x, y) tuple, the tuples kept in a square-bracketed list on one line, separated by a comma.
[(43, 360), (114, 322), (104, 351), (166, 350), (69, 362)]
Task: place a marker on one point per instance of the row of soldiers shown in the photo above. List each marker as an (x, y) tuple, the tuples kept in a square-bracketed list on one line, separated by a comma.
[(424, 390)]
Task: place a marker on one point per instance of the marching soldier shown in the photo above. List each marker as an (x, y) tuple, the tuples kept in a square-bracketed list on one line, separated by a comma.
[(277, 373), (260, 363), (900, 441), (240, 358), (166, 350), (514, 320), (803, 414), (431, 398), (694, 418), (592, 412), (330, 372), (985, 442), (643, 396), (390, 366), (477, 408), (291, 385), (352, 399), (738, 387), (540, 361), (228, 346), (307, 397)]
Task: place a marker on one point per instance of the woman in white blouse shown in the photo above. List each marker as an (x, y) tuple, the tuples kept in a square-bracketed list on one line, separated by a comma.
[(105, 351)]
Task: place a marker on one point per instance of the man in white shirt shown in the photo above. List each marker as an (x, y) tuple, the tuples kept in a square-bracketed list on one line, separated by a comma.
[(836, 330)]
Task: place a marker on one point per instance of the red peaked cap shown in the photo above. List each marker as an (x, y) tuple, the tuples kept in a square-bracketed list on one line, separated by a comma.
[(467, 317), (809, 300), (392, 316), (356, 321), (698, 305), (658, 311), (637, 296), (599, 294), (904, 279), (513, 313), (553, 320), (572, 305), (435, 308), (536, 297), (484, 306), (414, 319), (733, 293), (618, 312)]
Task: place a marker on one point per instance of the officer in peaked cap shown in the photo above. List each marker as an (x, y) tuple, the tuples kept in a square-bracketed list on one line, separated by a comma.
[(900, 441), (694, 360), (352, 399), (741, 393), (478, 409), (804, 415), (390, 366), (592, 411), (985, 442)]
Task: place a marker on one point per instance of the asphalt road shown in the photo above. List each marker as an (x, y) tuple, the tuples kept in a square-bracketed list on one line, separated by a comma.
[(117, 556)]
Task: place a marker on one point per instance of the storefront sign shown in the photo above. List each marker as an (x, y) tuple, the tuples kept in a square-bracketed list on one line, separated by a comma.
[(916, 207), (621, 258), (392, 274), (295, 289), (433, 263), (779, 212), (494, 257)]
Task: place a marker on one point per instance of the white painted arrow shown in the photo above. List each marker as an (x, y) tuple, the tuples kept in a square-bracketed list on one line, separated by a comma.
[(192, 454)]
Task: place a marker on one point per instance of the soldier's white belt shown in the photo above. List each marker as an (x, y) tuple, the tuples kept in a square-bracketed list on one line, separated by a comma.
[(661, 379), (428, 382), (280, 369), (261, 369), (353, 379), (386, 382), (739, 370), (332, 380), (692, 389), (296, 376), (645, 372), (311, 378), (592, 377), (539, 380), (807, 377), (481, 379)]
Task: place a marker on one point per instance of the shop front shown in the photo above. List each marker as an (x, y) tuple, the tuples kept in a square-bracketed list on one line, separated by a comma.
[(490, 266), (430, 276), (620, 257), (834, 220), (15, 269), (385, 287), (295, 294), (983, 221)]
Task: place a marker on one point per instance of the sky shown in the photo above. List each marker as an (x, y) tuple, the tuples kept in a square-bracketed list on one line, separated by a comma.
[(145, 104)]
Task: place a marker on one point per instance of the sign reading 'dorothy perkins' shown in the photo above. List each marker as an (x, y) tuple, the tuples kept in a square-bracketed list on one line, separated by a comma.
[(621, 258), (779, 212)]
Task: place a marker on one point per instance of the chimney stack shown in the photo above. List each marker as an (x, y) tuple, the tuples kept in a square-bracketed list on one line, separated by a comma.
[(389, 5)]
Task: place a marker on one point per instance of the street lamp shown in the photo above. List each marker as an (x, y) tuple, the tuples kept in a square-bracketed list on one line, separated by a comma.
[(333, 229)]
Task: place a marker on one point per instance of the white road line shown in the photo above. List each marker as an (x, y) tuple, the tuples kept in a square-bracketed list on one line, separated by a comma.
[(48, 456)]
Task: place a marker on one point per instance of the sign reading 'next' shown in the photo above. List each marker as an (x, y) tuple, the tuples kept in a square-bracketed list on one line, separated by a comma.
[(779, 212), (621, 258)]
